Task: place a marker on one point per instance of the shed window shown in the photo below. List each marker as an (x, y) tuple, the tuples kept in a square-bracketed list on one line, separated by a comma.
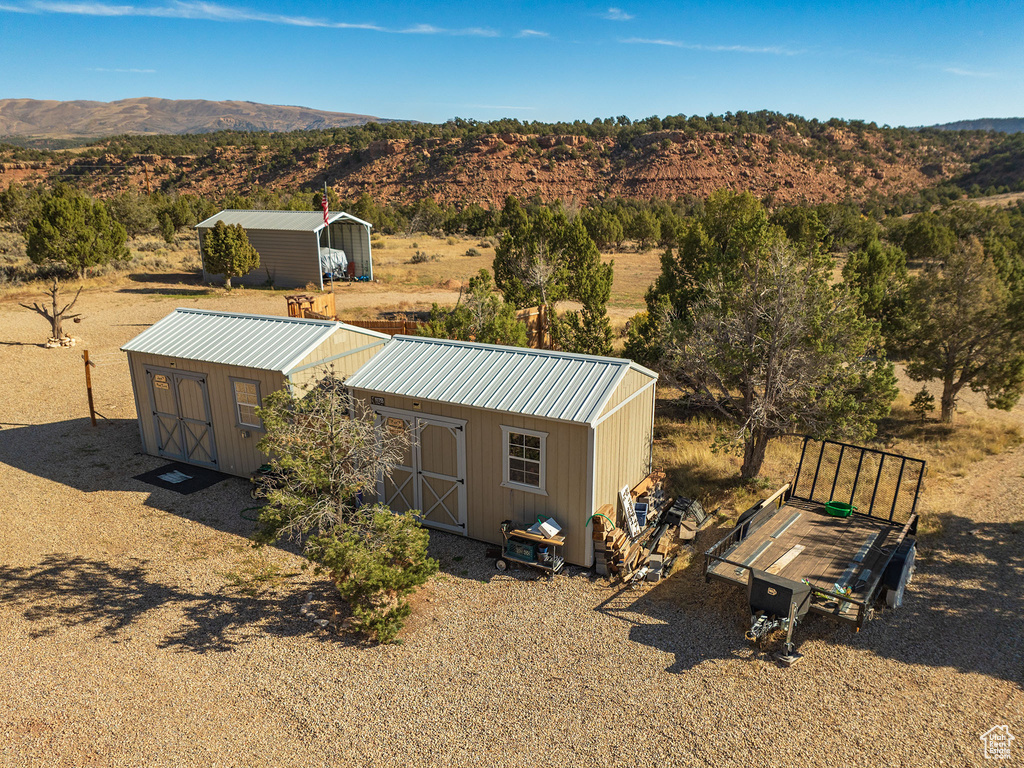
[(247, 400), (524, 459)]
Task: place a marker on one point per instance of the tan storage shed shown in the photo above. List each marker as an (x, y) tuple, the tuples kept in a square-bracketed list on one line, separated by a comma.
[(296, 248), (507, 433), (198, 377)]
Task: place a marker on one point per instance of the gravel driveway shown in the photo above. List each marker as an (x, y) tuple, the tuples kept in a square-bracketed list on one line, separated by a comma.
[(127, 642)]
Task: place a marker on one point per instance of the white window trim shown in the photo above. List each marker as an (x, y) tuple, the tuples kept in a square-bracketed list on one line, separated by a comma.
[(506, 483), (238, 413)]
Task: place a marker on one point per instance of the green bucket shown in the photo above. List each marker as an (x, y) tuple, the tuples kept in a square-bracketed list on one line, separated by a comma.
[(839, 509)]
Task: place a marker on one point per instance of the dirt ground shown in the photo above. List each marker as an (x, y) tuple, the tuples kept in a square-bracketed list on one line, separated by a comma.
[(140, 629)]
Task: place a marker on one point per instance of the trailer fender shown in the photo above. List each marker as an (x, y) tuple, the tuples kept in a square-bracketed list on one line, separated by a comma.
[(899, 573)]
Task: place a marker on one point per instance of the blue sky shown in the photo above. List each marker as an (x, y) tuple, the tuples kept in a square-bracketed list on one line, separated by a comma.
[(892, 63)]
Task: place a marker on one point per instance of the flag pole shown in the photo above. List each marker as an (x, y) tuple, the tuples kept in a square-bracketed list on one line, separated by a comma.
[(329, 248)]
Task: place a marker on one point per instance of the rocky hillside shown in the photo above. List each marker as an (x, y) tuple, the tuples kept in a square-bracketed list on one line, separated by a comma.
[(785, 162), (29, 117)]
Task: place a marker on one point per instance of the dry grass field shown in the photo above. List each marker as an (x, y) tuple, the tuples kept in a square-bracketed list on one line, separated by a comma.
[(141, 629)]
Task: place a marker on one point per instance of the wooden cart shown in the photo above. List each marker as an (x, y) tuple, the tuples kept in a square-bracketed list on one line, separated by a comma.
[(521, 545)]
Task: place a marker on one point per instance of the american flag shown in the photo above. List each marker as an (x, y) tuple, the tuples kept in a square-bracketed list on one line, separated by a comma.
[(323, 204)]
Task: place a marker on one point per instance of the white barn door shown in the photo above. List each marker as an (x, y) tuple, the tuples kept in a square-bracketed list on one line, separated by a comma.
[(432, 477)]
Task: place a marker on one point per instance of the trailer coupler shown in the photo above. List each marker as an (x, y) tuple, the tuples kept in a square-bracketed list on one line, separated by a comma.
[(761, 625)]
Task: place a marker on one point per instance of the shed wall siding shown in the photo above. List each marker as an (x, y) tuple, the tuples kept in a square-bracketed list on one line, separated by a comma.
[(633, 381), (291, 257), (488, 503), (622, 445), (236, 455), (340, 342)]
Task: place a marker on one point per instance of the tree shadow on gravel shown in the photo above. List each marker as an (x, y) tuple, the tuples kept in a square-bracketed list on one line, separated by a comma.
[(964, 610), (66, 591)]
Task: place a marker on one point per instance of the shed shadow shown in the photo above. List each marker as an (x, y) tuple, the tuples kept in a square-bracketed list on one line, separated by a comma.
[(964, 609), (170, 291), (107, 458), (169, 278)]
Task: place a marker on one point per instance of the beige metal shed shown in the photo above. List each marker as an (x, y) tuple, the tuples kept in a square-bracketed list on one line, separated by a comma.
[(510, 433), (296, 248), (199, 376)]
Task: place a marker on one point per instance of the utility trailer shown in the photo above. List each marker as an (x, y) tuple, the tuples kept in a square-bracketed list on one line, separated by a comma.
[(795, 556)]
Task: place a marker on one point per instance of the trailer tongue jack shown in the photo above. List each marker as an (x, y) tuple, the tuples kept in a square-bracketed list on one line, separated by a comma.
[(776, 603)]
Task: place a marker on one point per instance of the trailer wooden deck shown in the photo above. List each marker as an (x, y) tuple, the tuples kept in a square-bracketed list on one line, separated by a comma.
[(801, 541)]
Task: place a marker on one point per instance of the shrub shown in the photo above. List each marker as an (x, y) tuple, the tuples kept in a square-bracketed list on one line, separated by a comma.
[(419, 257), (375, 564), (923, 403), (472, 252)]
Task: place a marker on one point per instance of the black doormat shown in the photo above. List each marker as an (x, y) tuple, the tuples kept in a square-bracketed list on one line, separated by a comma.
[(182, 478)]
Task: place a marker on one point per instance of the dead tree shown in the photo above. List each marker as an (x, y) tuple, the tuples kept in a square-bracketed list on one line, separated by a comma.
[(56, 317)]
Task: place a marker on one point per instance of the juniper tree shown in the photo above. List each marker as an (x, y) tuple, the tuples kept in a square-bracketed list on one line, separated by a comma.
[(329, 455), (772, 346), (74, 230), (965, 327), (227, 251)]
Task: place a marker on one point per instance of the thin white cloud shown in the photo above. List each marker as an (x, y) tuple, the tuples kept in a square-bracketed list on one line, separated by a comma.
[(206, 11), (769, 49), (187, 9), (616, 14), (130, 70), (967, 72), (532, 33), (430, 29)]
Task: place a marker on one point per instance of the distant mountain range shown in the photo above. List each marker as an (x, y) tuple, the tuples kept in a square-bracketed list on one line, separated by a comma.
[(66, 119), (1000, 124)]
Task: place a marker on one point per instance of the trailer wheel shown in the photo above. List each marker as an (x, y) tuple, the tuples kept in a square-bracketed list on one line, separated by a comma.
[(899, 574), (501, 565)]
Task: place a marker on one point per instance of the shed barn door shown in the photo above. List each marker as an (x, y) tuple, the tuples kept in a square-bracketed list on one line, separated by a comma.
[(181, 417), (432, 476), (194, 417), (441, 474), (399, 490)]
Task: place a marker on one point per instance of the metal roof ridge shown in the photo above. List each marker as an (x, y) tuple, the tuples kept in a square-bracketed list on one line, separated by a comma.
[(523, 350), (249, 316)]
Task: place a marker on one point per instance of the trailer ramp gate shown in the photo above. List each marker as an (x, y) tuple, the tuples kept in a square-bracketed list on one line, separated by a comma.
[(879, 484)]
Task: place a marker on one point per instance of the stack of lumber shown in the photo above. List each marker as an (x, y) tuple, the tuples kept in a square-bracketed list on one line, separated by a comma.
[(616, 555), (648, 556)]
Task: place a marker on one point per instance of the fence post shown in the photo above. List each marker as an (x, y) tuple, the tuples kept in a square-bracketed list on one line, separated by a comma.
[(88, 387)]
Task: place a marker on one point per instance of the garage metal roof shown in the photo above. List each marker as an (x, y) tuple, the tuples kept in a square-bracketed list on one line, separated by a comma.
[(252, 341), (299, 221), (531, 382)]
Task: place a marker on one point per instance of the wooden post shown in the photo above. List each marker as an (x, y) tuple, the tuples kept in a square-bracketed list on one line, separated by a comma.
[(88, 387), (542, 327)]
